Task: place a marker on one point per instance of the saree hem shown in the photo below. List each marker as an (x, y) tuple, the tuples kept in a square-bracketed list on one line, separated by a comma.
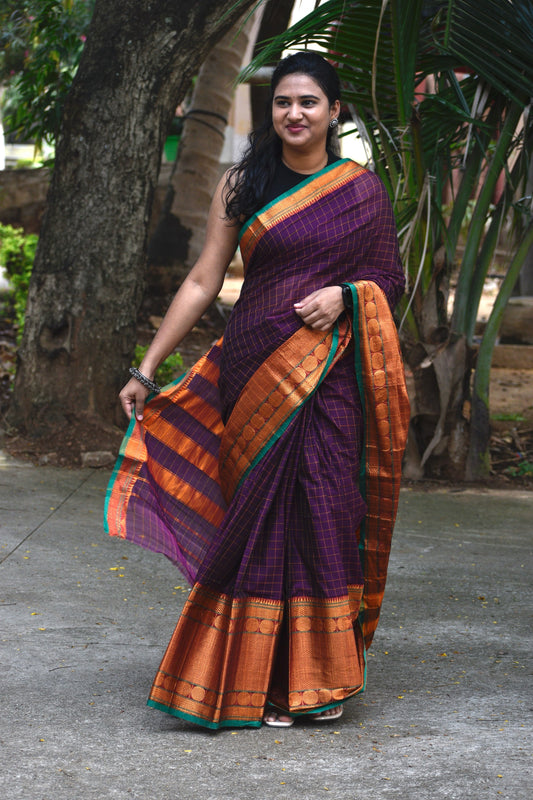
[(174, 712), (311, 711)]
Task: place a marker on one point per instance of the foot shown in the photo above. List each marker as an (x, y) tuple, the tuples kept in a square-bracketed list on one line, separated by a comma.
[(328, 715), (276, 720)]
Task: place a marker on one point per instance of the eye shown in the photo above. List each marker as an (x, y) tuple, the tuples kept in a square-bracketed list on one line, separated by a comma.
[(281, 103), (308, 103)]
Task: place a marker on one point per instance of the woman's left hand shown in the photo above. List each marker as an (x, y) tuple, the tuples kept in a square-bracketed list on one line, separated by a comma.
[(321, 309)]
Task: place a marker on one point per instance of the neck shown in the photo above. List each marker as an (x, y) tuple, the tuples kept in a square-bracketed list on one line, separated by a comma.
[(306, 163)]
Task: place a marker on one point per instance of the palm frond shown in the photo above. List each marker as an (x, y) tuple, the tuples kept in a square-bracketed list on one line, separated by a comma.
[(493, 39)]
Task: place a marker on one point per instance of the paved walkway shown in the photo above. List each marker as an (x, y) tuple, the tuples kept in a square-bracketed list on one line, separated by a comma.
[(448, 709)]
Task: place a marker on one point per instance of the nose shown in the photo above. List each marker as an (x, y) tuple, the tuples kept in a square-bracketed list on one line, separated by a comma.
[(295, 112)]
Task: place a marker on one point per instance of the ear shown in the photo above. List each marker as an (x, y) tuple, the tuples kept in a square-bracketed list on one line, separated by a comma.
[(335, 109)]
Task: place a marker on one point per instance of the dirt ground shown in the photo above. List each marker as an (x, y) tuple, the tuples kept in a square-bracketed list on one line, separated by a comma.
[(511, 408), (511, 401)]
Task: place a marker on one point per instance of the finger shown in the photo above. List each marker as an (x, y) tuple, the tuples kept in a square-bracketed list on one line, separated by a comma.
[(139, 408), (128, 406), (129, 403), (306, 300), (321, 325), (305, 314), (314, 317)]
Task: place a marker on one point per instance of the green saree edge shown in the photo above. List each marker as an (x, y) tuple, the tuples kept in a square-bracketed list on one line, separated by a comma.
[(116, 468), (282, 428), (291, 191), (358, 366), (199, 721)]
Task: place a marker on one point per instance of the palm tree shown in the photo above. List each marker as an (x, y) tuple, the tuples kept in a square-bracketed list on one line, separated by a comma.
[(197, 169), (439, 92)]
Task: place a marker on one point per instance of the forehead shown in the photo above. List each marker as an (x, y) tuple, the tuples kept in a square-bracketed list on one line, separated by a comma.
[(298, 85)]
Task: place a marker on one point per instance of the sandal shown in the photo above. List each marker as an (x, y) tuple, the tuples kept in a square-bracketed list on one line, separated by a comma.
[(325, 717), (277, 722)]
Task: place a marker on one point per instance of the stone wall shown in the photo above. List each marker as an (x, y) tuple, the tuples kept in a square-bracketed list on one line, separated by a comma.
[(517, 321), (23, 197)]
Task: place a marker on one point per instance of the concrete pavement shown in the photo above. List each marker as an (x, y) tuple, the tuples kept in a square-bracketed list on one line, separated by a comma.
[(85, 620)]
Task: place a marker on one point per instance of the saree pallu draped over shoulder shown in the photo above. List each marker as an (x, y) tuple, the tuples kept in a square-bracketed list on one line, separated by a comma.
[(270, 473)]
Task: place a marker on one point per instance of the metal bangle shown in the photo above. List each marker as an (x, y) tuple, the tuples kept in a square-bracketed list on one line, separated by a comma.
[(152, 385)]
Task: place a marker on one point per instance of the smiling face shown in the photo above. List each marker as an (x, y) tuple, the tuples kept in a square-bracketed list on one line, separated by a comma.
[(301, 113)]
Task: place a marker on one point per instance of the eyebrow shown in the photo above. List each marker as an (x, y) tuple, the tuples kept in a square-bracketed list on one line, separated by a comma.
[(299, 97)]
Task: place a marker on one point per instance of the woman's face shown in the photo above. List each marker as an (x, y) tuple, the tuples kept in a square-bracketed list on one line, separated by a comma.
[(301, 113)]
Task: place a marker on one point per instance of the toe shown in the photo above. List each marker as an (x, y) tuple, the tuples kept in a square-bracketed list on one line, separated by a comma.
[(273, 716)]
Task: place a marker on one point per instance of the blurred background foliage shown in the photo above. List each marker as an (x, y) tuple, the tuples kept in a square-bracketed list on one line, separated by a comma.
[(41, 42)]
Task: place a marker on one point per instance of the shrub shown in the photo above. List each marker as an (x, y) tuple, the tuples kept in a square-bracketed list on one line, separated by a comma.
[(17, 253), (168, 371)]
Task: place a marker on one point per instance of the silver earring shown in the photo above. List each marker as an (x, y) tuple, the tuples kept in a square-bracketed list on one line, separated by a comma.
[(334, 122)]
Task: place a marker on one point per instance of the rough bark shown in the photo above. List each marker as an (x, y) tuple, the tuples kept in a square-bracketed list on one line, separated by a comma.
[(88, 276), (438, 440)]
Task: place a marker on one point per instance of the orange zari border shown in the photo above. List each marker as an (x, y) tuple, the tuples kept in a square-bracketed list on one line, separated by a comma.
[(307, 193), (272, 395), (218, 684), (386, 424)]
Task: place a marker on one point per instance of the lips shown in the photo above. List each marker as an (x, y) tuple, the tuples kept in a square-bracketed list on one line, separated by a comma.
[(295, 128)]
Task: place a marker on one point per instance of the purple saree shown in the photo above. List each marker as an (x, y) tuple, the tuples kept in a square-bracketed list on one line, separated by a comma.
[(270, 474)]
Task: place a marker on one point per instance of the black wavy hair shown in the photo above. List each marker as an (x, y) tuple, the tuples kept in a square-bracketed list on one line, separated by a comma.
[(247, 181)]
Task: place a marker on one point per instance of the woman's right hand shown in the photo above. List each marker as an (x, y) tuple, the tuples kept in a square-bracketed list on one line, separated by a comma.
[(132, 398)]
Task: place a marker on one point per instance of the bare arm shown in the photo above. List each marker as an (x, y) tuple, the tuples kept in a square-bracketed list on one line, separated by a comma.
[(197, 292)]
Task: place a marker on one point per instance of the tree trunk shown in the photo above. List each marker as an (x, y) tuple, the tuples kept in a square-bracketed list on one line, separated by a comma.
[(438, 434), (179, 237), (88, 276), (275, 20), (526, 273), (2, 140)]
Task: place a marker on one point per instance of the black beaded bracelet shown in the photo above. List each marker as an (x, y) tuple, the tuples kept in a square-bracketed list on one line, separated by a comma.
[(152, 385)]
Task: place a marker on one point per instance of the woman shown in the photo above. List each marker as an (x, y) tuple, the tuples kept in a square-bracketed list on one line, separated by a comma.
[(270, 474)]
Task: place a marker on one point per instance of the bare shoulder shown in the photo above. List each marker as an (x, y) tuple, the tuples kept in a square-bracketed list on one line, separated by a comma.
[(228, 182), (223, 190)]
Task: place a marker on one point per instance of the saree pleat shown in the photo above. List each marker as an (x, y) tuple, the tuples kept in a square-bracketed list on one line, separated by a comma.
[(270, 474)]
